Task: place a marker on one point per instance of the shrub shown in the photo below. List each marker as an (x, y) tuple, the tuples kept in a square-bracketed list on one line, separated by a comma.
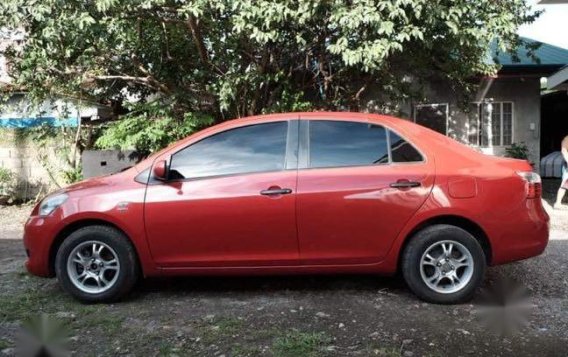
[(7, 182), (518, 151)]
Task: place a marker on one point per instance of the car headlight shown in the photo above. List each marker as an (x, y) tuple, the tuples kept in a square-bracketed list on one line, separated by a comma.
[(49, 204)]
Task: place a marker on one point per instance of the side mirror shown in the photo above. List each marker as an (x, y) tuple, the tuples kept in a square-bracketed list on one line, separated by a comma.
[(159, 170)]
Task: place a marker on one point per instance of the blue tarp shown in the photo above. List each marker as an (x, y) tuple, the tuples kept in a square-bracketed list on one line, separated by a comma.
[(14, 123)]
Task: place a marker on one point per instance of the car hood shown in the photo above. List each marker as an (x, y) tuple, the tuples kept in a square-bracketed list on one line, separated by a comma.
[(96, 183)]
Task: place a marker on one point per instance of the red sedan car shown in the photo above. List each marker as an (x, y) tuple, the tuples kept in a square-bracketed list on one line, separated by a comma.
[(295, 193)]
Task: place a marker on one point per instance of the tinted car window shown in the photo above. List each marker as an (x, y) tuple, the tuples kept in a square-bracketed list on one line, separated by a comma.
[(402, 150), (253, 148), (340, 143)]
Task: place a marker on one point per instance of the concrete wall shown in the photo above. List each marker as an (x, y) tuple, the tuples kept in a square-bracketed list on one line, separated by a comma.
[(104, 162), (20, 157)]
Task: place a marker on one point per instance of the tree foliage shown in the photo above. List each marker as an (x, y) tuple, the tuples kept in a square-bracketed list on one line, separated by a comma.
[(147, 133), (240, 57)]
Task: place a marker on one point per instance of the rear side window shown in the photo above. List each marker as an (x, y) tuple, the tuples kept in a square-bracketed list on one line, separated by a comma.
[(402, 150), (254, 148), (341, 143)]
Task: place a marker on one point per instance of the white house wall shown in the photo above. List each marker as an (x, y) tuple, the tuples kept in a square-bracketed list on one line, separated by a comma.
[(523, 93)]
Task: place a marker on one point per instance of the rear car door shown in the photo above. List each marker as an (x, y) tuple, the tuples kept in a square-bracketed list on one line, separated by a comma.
[(229, 201), (358, 184)]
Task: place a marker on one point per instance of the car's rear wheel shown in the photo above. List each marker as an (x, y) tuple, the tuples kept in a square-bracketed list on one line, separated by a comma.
[(443, 264), (96, 264)]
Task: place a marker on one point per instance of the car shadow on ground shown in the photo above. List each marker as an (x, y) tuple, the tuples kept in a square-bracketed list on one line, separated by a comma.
[(278, 283), (540, 277)]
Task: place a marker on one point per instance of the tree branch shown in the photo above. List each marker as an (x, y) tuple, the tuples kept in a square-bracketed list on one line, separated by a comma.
[(197, 38), (150, 78)]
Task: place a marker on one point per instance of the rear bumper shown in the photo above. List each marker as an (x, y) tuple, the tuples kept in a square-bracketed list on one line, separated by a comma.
[(38, 236), (524, 235)]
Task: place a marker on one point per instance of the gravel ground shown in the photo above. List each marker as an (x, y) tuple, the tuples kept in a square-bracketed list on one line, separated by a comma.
[(12, 219), (299, 316)]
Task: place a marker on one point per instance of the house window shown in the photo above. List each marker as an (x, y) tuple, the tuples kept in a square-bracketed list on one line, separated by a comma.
[(493, 120), (433, 116)]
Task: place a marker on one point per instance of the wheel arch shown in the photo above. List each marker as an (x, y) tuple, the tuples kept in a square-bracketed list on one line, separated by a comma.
[(76, 225), (454, 220)]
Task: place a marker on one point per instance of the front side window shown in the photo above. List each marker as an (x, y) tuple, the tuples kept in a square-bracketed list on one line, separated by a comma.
[(340, 143), (254, 148)]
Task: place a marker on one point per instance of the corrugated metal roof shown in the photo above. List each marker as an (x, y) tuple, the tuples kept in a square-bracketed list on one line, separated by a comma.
[(548, 55)]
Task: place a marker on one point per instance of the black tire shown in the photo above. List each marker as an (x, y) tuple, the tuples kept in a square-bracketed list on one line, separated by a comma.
[(127, 275), (416, 248)]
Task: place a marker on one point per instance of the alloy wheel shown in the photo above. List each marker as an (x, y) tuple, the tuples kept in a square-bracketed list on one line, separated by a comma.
[(93, 267), (446, 266)]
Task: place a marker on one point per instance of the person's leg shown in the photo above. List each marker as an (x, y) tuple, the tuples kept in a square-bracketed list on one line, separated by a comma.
[(560, 196)]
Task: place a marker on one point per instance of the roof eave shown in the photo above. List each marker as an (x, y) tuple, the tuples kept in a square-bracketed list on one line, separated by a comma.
[(530, 69), (558, 80)]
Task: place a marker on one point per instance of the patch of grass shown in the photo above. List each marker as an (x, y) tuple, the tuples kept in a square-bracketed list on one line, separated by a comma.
[(167, 349), (23, 297), (221, 328), (111, 324), (30, 297), (385, 351), (23, 305), (4, 344), (229, 326), (22, 274), (266, 333), (20, 306), (296, 343), (246, 351)]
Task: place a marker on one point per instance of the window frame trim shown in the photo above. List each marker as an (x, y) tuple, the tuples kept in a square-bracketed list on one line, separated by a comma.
[(512, 123), (291, 140)]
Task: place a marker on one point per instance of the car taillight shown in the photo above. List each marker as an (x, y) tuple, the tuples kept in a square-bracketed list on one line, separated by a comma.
[(534, 184)]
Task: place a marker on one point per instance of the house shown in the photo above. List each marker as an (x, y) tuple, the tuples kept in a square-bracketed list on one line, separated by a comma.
[(36, 168), (507, 107), (17, 111)]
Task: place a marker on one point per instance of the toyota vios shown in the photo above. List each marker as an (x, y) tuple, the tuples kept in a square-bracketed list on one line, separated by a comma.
[(295, 193)]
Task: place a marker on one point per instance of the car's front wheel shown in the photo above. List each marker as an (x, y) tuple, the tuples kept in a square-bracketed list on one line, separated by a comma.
[(443, 264), (96, 264)]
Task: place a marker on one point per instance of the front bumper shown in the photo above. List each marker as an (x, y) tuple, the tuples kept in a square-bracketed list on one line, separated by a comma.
[(39, 233)]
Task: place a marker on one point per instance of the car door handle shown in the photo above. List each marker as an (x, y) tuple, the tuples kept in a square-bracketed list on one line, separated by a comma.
[(405, 184), (276, 191)]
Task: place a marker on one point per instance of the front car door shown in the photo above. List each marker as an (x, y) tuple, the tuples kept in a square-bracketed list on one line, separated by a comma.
[(358, 184), (229, 201)]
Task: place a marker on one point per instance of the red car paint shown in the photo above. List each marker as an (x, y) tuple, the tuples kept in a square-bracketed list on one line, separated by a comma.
[(345, 219)]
